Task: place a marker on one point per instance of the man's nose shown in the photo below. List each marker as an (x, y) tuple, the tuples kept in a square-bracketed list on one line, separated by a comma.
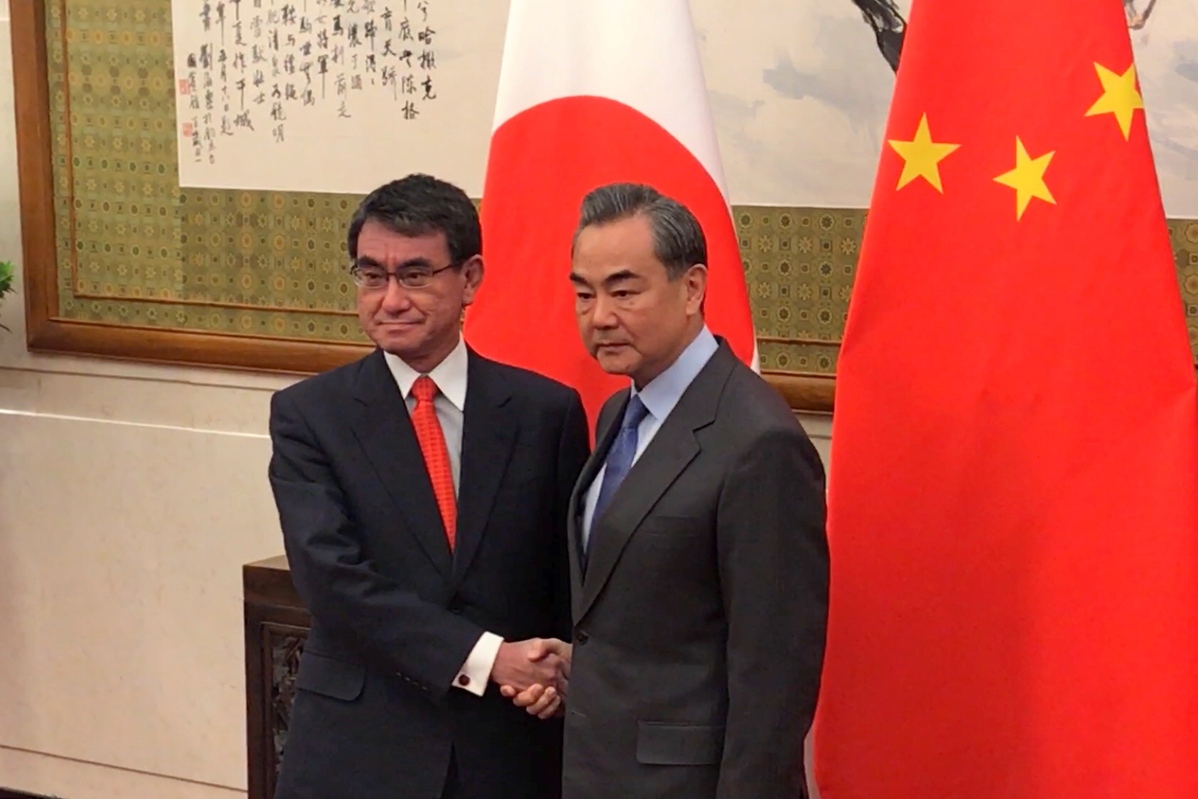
[(603, 314), (395, 297)]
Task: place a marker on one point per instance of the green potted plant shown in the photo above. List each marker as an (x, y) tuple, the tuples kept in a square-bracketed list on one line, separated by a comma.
[(7, 270)]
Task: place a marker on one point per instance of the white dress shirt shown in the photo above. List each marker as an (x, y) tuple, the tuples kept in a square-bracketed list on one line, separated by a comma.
[(660, 396), (450, 376)]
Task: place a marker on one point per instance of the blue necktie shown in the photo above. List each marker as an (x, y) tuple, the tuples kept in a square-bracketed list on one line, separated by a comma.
[(619, 459)]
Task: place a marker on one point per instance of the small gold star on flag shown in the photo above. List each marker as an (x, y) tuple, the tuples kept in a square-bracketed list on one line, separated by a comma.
[(1027, 178), (1120, 96), (922, 156)]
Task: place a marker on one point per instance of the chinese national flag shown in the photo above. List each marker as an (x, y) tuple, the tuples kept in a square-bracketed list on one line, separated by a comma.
[(593, 92), (1013, 509)]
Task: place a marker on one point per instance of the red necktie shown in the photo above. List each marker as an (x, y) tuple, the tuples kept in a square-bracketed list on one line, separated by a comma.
[(436, 454)]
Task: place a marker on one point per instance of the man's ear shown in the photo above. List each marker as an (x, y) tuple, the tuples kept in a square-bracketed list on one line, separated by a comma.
[(472, 270), (696, 288)]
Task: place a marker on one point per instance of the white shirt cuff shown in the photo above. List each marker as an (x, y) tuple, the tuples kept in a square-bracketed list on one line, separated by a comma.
[(476, 672)]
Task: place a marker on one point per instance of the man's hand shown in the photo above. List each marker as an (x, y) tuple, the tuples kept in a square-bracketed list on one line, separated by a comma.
[(544, 700), (523, 664)]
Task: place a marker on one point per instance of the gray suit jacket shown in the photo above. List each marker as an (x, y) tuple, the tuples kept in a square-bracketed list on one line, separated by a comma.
[(699, 617)]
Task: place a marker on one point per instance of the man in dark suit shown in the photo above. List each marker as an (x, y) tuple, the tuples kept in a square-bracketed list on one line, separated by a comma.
[(422, 493), (697, 548)]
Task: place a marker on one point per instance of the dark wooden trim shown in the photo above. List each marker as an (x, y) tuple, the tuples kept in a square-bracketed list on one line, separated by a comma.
[(804, 392), (812, 342), (35, 172), (8, 793), (189, 348)]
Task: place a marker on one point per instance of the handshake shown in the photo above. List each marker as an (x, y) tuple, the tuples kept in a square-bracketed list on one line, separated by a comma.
[(534, 674)]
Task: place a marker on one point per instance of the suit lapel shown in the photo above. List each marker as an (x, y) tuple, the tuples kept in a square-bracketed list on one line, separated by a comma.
[(384, 431), (657, 468), (606, 433), (488, 435), (669, 453)]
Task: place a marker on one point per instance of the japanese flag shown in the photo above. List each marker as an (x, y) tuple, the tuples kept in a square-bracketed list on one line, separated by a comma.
[(594, 92)]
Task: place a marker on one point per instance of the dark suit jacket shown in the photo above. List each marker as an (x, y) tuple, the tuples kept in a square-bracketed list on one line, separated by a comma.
[(395, 612), (700, 619)]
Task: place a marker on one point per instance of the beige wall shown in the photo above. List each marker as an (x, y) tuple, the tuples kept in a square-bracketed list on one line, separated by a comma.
[(130, 496)]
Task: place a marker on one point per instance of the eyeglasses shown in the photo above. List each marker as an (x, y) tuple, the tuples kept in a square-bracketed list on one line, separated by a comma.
[(372, 278)]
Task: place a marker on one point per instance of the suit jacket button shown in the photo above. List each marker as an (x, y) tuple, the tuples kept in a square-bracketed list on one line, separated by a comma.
[(581, 637), (456, 605)]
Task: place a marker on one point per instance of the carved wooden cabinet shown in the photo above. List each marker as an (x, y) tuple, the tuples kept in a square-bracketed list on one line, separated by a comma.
[(276, 626)]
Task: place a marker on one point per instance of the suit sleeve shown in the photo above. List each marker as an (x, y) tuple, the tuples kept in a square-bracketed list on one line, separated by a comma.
[(573, 451), (773, 561), (395, 628)]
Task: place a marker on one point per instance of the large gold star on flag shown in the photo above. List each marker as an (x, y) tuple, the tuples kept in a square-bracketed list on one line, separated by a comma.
[(922, 156), (1027, 178), (1119, 97)]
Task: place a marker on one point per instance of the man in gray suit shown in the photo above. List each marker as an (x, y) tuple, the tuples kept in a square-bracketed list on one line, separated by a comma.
[(697, 547)]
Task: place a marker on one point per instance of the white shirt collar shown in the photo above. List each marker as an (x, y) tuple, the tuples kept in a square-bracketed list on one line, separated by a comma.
[(449, 375)]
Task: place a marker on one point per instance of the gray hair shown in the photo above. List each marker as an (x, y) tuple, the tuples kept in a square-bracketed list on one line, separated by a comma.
[(678, 240)]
